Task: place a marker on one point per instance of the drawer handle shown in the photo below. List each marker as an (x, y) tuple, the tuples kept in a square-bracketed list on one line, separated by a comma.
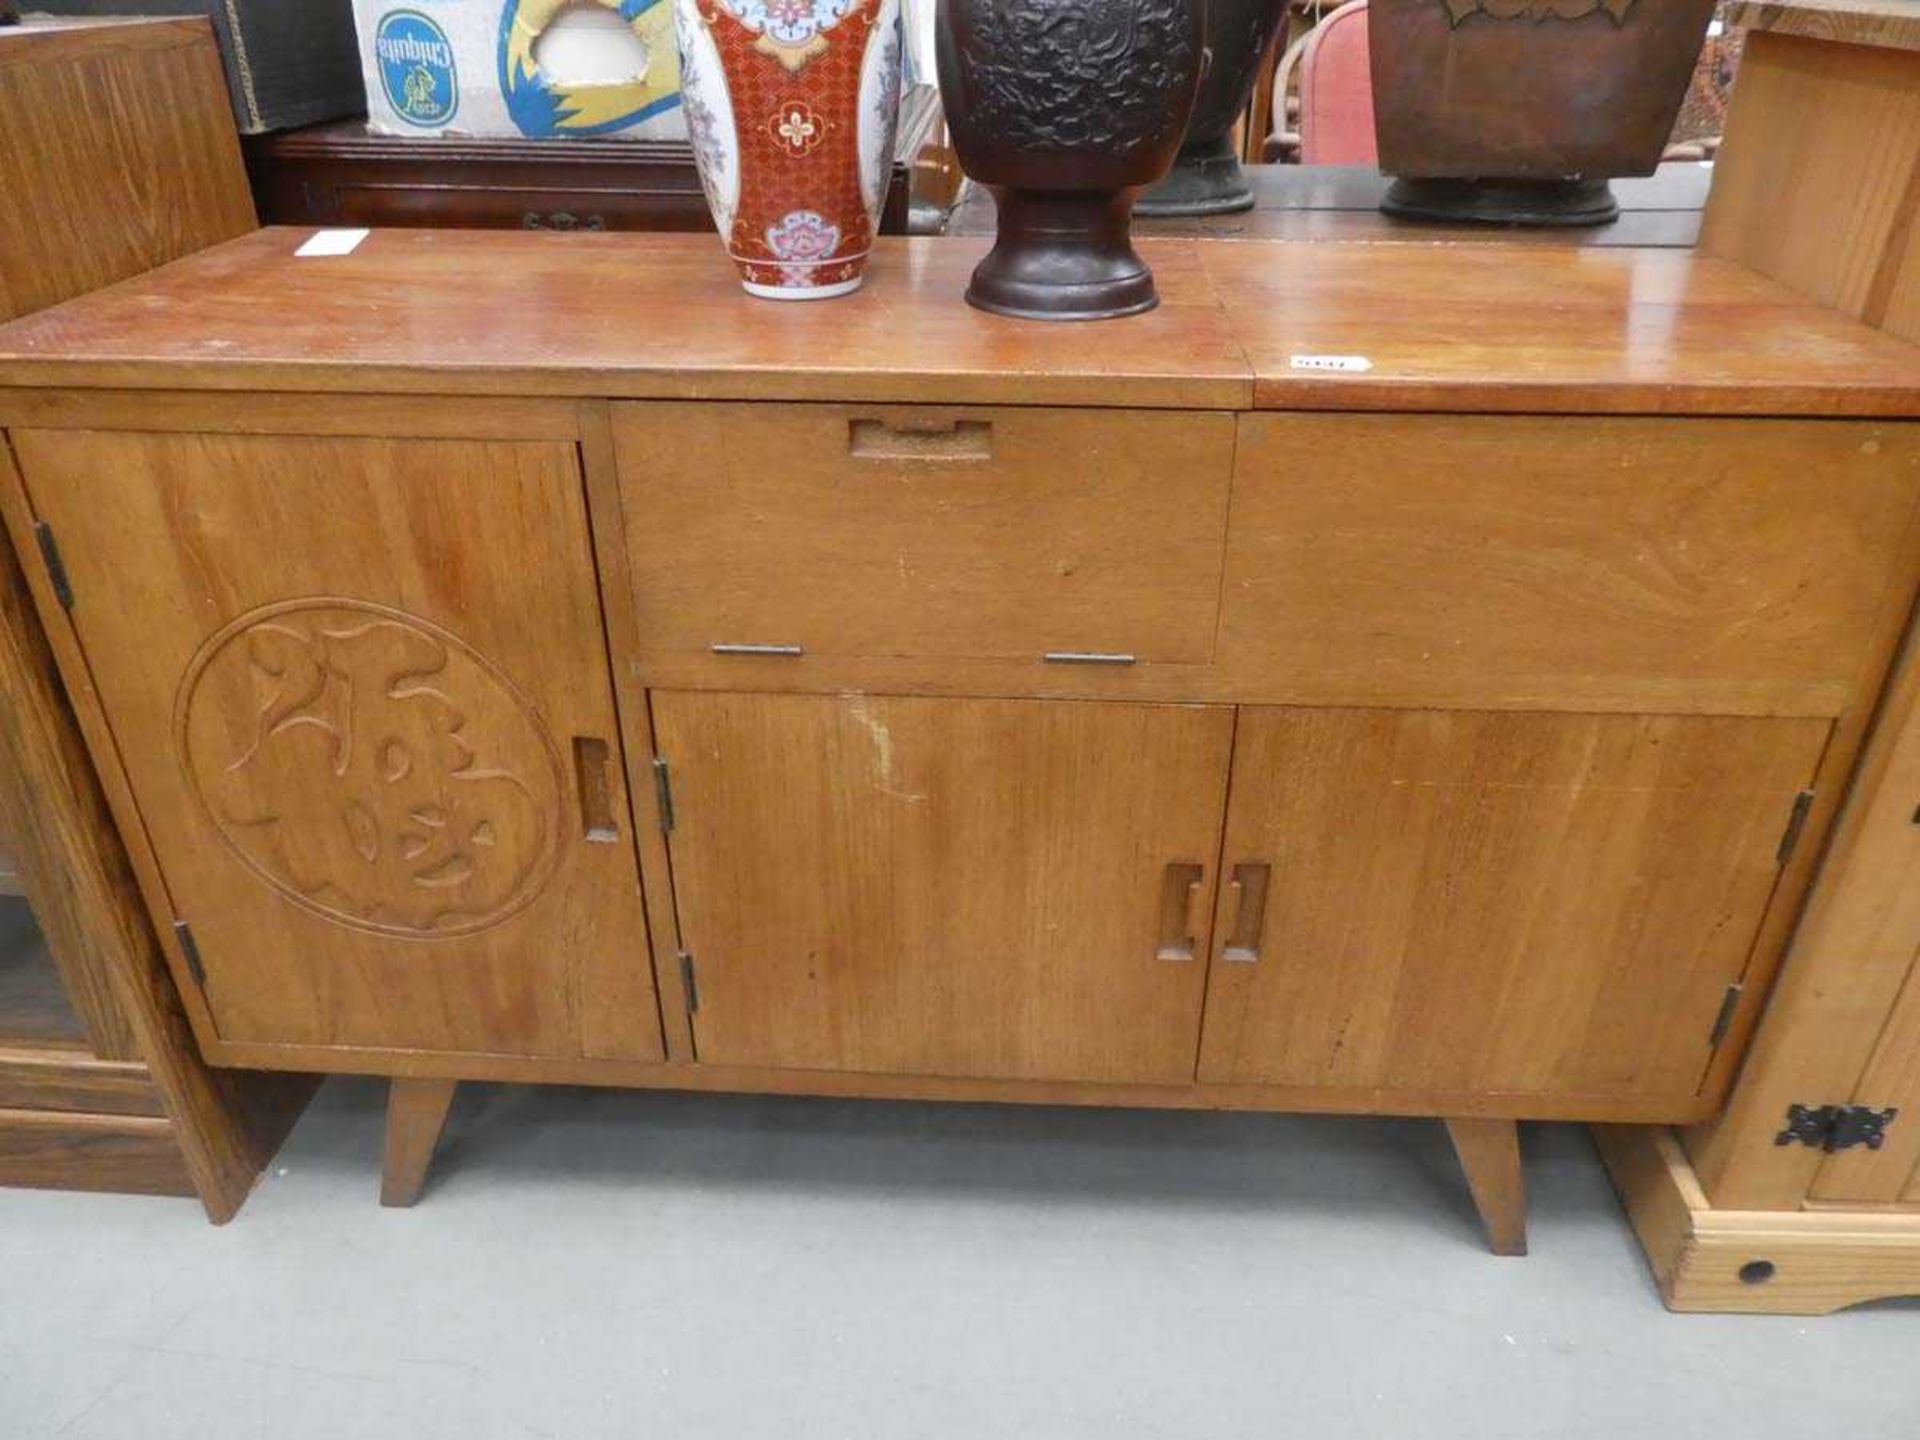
[(1249, 887), (787, 650), (1087, 657), (593, 775), (962, 440), (1180, 911)]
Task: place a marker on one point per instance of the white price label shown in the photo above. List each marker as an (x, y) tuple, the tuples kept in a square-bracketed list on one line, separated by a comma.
[(332, 242), (1352, 364)]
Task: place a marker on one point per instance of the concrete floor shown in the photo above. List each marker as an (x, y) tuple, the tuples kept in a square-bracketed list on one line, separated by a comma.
[(631, 1265)]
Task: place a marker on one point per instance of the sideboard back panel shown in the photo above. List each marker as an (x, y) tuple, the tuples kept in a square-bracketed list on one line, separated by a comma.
[(360, 689)]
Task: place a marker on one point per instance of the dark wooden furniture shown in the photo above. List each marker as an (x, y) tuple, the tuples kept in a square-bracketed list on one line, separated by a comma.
[(338, 174), (120, 156), (516, 656), (1342, 202)]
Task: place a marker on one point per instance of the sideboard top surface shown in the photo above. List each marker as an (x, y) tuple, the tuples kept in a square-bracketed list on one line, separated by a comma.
[(1453, 327)]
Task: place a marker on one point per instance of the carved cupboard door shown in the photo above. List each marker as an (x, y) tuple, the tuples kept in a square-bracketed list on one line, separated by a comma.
[(361, 693), (1453, 902), (1001, 888)]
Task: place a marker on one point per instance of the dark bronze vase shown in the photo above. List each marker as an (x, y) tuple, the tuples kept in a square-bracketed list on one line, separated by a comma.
[(1065, 109), (1544, 102), (1207, 179)]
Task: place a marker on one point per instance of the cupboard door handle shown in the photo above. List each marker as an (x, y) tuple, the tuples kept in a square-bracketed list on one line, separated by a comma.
[(593, 776), (1249, 886), (940, 442), (1180, 911)]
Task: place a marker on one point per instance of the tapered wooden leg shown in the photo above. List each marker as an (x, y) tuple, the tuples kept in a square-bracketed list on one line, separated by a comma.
[(416, 1113), (1489, 1152)]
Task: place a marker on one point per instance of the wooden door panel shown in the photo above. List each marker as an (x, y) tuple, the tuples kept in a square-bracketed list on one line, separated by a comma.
[(891, 531), (946, 887), (1891, 1174), (361, 692), (1643, 564), (1494, 901)]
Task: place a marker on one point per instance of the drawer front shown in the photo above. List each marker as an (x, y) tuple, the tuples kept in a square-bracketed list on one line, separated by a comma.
[(888, 532), (1646, 564)]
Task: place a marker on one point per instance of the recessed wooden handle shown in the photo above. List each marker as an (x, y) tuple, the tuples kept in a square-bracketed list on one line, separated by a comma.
[(938, 441), (1249, 887), (593, 774), (1180, 911)]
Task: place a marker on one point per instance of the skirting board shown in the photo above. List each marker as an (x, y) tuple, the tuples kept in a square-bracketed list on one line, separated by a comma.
[(1787, 1262)]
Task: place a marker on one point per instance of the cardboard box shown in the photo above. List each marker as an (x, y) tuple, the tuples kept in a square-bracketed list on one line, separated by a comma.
[(504, 69), (288, 62)]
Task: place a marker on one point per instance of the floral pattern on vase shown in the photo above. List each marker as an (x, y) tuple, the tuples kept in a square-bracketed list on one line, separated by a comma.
[(789, 102)]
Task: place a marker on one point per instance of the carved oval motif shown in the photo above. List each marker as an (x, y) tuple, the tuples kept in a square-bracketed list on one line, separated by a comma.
[(371, 767)]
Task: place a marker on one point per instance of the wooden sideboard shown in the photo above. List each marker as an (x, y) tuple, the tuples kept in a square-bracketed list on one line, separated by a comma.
[(1418, 682)]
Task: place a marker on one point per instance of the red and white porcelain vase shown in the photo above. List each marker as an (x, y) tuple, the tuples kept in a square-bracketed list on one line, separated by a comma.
[(791, 107)]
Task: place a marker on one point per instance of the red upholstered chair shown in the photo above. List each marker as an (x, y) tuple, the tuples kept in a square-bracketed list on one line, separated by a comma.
[(1336, 91)]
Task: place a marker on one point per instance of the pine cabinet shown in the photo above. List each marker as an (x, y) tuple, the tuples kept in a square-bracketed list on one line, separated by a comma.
[(747, 698)]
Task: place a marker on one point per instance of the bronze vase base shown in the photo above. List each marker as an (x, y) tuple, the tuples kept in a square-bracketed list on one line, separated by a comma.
[(1504, 202), (1063, 255), (1205, 180)]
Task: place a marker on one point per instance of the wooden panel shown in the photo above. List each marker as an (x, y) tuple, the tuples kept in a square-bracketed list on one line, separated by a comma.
[(121, 143), (953, 533), (1817, 183), (1890, 1175), (626, 315), (1891, 23), (379, 764), (1851, 955), (1499, 901), (1630, 331), (1499, 327), (1567, 562), (58, 1151), (969, 888), (71, 1079)]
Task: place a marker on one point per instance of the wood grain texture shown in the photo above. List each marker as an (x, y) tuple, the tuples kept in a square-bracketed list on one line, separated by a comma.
[(356, 754), (1894, 24), (70, 1078), (1817, 183), (1493, 327), (55, 1150), (226, 1127), (1465, 901), (1891, 1174), (1708, 1258), (1489, 1152), (962, 888), (1853, 952), (416, 1114), (121, 136), (613, 315), (1602, 563), (662, 317), (948, 533)]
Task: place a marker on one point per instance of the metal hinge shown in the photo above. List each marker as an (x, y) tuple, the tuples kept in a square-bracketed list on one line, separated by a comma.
[(688, 983), (1796, 822), (1836, 1127), (56, 567), (190, 948), (663, 786), (1723, 1022)]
